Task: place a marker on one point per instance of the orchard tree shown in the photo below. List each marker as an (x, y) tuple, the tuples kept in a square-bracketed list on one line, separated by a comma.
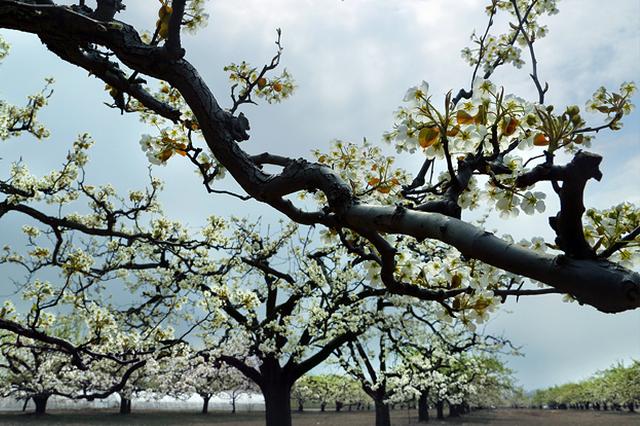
[(496, 385), (282, 308), (494, 148), (95, 243), (616, 387), (410, 355), (48, 365), (303, 391), (209, 378), (127, 243), (370, 362), (443, 361), (74, 262), (327, 389)]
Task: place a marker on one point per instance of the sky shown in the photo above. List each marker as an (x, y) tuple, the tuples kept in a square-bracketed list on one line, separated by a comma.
[(353, 61)]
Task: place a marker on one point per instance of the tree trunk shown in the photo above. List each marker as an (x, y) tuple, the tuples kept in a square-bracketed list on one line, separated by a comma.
[(277, 404), (423, 408), (41, 403), (383, 415), (323, 405), (454, 410), (205, 403), (300, 406), (440, 410), (339, 406), (233, 405), (631, 407), (125, 405)]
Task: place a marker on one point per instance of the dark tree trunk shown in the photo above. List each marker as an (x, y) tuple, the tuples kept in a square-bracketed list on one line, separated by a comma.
[(41, 403), (300, 406), (233, 405), (454, 410), (205, 403), (423, 408), (323, 405), (277, 404), (339, 406), (125, 405), (631, 407), (440, 410), (383, 415)]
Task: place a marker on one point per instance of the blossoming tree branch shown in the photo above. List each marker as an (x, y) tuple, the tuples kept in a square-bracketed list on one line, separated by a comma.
[(481, 146)]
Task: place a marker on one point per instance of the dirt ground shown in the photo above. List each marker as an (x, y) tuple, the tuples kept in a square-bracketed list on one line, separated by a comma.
[(399, 418)]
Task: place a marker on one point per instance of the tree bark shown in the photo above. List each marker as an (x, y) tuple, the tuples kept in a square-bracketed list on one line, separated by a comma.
[(277, 404), (205, 403), (454, 410), (125, 405), (423, 408), (604, 285), (440, 410), (323, 405), (383, 414), (41, 403)]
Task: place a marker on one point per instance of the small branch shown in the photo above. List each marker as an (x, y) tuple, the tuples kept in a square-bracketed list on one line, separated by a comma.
[(620, 244), (174, 44), (534, 61)]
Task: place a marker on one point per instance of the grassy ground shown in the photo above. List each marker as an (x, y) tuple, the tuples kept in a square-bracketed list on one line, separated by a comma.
[(399, 418)]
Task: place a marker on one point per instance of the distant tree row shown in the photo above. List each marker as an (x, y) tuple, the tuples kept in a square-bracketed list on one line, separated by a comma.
[(615, 388)]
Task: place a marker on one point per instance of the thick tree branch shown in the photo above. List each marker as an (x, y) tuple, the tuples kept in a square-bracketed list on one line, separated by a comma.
[(64, 345), (568, 222), (599, 283)]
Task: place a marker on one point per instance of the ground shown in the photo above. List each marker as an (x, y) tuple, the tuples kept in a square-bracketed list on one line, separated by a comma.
[(400, 418)]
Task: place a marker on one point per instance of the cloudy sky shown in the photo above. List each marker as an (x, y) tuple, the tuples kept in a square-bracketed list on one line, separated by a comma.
[(352, 61)]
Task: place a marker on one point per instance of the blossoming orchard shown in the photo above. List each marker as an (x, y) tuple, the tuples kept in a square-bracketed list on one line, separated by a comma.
[(371, 291)]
